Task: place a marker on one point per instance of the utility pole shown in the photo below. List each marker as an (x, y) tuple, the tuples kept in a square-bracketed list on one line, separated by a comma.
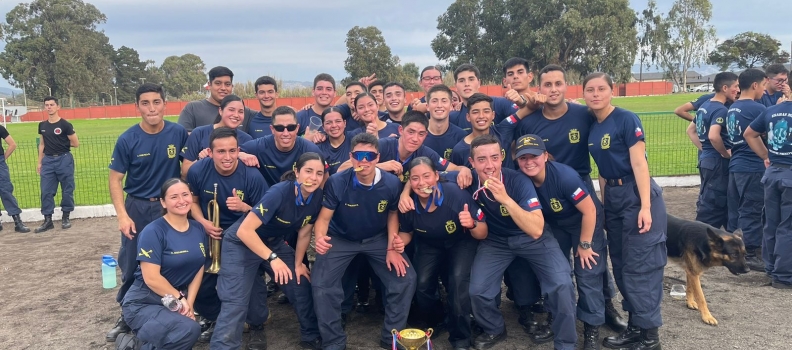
[(24, 92), (116, 94)]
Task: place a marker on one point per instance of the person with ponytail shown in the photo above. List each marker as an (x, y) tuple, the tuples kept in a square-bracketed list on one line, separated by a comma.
[(232, 114), (288, 206), (575, 220), (635, 214), (445, 228)]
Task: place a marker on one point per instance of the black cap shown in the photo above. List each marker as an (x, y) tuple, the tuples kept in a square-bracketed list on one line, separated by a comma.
[(530, 144)]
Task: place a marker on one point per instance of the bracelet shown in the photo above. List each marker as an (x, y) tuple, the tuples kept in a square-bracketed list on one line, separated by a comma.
[(181, 295), (524, 101), (391, 249)]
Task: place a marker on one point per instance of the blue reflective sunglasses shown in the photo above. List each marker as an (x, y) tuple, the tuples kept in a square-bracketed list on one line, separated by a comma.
[(365, 155)]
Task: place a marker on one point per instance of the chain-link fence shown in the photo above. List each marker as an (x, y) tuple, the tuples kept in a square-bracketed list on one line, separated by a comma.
[(669, 150)]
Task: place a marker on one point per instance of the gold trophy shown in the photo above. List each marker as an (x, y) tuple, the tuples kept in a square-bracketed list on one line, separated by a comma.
[(412, 338)]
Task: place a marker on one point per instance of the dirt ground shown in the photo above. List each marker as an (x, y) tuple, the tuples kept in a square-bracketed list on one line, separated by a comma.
[(51, 298)]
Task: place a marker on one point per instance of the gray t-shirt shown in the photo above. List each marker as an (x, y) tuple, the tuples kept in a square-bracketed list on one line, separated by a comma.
[(202, 112), (198, 113)]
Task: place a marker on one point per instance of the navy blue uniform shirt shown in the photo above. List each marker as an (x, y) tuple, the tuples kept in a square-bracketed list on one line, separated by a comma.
[(502, 107), (610, 142), (460, 154), (709, 112), (304, 119), (769, 100), (199, 140), (389, 150), (179, 254), (360, 211), (409, 105), (148, 160), (248, 182), (444, 144), (499, 220), (566, 138), (741, 114), (776, 122), (281, 214), (442, 224), (259, 125), (334, 156), (561, 191), (272, 162)]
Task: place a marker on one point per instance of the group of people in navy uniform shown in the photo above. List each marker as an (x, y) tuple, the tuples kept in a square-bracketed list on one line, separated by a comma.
[(55, 167), (410, 199), (744, 160)]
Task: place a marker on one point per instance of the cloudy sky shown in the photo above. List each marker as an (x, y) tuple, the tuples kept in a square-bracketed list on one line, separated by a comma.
[(295, 40)]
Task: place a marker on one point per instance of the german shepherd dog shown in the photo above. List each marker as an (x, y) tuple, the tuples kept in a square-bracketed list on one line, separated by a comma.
[(700, 246)]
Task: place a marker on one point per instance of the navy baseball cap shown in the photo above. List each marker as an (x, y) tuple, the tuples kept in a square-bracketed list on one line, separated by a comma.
[(530, 144)]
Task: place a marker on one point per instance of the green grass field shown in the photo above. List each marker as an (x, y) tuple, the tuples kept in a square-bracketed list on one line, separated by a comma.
[(670, 153)]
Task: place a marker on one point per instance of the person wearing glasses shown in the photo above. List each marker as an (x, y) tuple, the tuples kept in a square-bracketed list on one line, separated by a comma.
[(430, 76), (232, 114), (277, 153), (777, 87), (516, 230), (359, 218)]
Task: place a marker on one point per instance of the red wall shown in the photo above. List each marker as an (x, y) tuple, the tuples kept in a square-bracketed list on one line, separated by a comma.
[(175, 107)]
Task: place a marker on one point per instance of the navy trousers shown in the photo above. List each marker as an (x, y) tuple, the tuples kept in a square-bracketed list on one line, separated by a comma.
[(456, 259), (57, 170), (326, 277), (591, 299), (548, 264), (638, 259), (7, 189), (243, 293), (156, 326), (777, 239), (142, 212), (711, 207), (746, 207)]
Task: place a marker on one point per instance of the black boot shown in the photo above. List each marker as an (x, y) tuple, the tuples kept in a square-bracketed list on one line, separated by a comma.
[(46, 225), (590, 337), (486, 341), (630, 336), (206, 336), (528, 320), (120, 327), (650, 340), (753, 258), (612, 317), (258, 339), (19, 226), (545, 333), (65, 222)]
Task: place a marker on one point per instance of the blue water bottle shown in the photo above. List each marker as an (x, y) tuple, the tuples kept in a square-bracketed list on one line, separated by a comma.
[(109, 279)]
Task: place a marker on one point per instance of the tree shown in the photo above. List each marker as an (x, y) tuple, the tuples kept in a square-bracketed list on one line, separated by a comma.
[(128, 73), (183, 74), (683, 38), (368, 53), (408, 74), (583, 36), (649, 22), (54, 48), (748, 50)]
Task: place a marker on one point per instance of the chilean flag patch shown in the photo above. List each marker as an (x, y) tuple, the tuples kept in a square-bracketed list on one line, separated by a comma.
[(578, 194), (443, 161), (512, 119), (638, 132), (479, 215), (533, 203)]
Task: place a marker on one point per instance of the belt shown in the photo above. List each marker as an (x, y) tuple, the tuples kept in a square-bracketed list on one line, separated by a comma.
[(620, 182), (781, 166), (56, 154), (359, 241), (154, 199)]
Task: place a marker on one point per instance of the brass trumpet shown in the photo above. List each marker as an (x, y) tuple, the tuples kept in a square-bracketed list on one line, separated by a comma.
[(213, 215)]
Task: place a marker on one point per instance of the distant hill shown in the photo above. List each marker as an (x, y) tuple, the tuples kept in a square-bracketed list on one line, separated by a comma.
[(288, 84), (9, 91)]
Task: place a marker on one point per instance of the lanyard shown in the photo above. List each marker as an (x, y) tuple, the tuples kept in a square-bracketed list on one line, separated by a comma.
[(482, 189), (300, 200), (438, 200)]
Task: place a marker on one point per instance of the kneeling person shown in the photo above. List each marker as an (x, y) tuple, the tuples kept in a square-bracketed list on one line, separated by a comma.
[(359, 217)]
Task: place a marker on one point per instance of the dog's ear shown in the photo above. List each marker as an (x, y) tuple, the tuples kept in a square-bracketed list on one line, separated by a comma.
[(738, 232), (714, 237)]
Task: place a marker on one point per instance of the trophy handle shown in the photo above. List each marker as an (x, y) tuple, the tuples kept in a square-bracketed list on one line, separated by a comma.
[(395, 334), (429, 333)]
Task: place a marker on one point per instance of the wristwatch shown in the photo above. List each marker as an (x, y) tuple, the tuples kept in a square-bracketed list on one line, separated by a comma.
[(272, 256), (475, 224), (585, 245)]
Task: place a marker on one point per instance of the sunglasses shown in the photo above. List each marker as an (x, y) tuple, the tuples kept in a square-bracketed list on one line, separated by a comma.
[(281, 128), (365, 155)]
